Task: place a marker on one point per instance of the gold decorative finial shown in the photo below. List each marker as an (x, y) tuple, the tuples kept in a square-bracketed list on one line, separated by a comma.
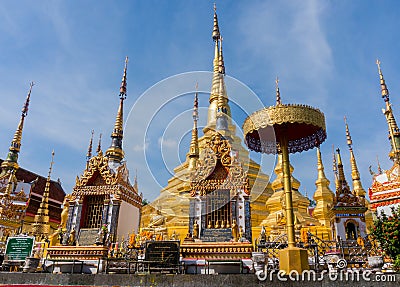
[(278, 93), (122, 90), (334, 161), (196, 105), (51, 164), (193, 154), (215, 33), (89, 153), (321, 173), (348, 136), (99, 151), (384, 89), (221, 58)]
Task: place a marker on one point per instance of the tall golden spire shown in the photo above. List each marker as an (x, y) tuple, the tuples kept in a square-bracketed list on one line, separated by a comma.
[(278, 93), (323, 195), (11, 162), (221, 64), (99, 151), (41, 227), (355, 175), (342, 186), (335, 168), (90, 148), (218, 81), (115, 152), (194, 143), (394, 132), (215, 33)]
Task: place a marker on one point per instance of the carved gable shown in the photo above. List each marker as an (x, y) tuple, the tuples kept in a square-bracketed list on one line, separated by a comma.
[(217, 169), (97, 167)]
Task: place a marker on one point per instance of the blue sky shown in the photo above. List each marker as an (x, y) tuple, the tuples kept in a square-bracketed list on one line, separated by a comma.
[(324, 53)]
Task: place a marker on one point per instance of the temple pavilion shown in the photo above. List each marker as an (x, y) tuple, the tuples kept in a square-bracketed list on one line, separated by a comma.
[(103, 196)]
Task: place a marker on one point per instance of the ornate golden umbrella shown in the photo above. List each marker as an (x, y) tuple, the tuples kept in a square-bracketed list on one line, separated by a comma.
[(286, 128)]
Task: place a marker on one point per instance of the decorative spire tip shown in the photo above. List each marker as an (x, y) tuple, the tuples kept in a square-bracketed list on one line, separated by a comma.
[(384, 89), (348, 136), (278, 93), (122, 90), (99, 145)]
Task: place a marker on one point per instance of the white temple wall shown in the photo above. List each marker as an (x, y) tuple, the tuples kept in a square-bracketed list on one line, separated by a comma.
[(128, 220), (387, 209)]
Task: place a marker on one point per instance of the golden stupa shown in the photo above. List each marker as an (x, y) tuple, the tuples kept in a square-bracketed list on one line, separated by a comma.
[(173, 201)]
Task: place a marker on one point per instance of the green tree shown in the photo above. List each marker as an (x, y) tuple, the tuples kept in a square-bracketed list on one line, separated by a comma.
[(387, 231)]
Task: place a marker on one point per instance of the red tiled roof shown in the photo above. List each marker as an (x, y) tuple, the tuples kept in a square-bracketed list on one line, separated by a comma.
[(56, 193)]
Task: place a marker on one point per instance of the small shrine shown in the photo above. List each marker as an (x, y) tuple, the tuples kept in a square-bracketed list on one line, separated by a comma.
[(174, 199), (348, 210), (104, 207), (220, 206)]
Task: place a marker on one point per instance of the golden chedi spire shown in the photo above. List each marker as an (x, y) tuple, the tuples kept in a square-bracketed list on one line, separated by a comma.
[(90, 148), (342, 186), (221, 64), (41, 227), (335, 169), (323, 195), (394, 132), (277, 184), (193, 154), (218, 80), (222, 121), (11, 162), (115, 152), (355, 175), (98, 150)]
